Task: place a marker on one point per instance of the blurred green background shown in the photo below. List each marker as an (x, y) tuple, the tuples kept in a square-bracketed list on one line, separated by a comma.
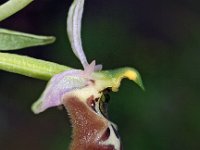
[(159, 38)]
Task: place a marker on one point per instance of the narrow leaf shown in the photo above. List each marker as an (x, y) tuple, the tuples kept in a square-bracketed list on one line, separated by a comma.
[(11, 7), (30, 67), (13, 40)]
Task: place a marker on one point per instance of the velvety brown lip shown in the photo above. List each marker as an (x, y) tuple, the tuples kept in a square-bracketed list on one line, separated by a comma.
[(87, 125)]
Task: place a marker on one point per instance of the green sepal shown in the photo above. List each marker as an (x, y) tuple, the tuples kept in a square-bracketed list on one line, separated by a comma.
[(112, 78), (30, 67), (13, 40)]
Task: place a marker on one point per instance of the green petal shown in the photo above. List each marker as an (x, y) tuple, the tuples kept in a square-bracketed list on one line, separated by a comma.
[(112, 78), (30, 67), (13, 40)]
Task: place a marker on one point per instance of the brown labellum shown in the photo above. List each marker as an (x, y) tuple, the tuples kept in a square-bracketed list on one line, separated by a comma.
[(91, 129)]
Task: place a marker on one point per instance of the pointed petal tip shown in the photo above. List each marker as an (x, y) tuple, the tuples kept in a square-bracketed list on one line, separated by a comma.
[(132, 74), (116, 76), (36, 107), (140, 83), (98, 67)]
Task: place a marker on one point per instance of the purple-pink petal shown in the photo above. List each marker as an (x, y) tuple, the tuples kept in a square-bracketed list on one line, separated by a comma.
[(59, 85)]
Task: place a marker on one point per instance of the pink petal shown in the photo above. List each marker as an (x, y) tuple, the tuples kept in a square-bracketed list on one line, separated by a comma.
[(57, 87)]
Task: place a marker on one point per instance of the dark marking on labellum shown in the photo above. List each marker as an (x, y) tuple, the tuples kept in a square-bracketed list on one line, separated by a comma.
[(108, 147), (106, 91), (106, 135), (121, 147), (91, 103), (96, 99), (101, 147), (107, 98), (103, 105), (116, 132), (93, 82)]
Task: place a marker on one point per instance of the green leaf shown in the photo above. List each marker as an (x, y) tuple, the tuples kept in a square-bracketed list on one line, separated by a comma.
[(11, 7), (13, 40), (30, 67)]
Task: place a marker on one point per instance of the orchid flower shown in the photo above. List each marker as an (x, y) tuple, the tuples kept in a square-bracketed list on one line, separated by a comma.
[(69, 81), (83, 92)]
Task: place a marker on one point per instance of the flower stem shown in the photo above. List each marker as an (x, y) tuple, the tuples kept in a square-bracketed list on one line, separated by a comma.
[(11, 7), (30, 67)]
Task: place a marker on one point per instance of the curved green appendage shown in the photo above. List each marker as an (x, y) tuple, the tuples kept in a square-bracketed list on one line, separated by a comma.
[(113, 78), (30, 67), (11, 7), (13, 40)]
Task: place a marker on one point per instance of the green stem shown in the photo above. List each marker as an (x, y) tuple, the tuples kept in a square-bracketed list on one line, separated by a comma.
[(11, 7), (30, 67)]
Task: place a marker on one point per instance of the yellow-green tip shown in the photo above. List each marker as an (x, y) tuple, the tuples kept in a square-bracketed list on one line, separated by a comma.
[(114, 77)]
